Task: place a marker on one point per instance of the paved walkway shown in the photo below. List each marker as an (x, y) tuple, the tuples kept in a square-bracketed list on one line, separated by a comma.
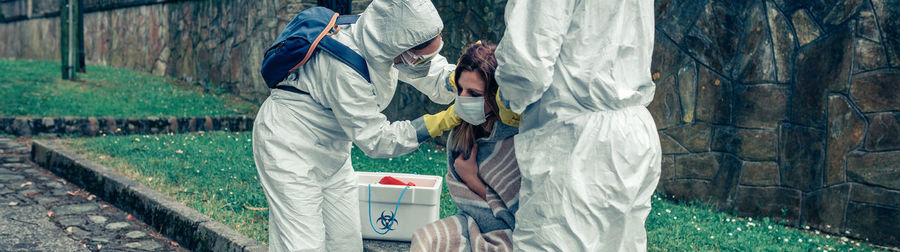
[(41, 212)]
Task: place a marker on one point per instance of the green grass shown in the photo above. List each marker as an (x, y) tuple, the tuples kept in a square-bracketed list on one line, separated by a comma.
[(34, 89), (215, 174)]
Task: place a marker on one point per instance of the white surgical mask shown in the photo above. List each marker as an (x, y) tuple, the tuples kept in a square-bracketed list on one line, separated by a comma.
[(414, 71), (470, 109)]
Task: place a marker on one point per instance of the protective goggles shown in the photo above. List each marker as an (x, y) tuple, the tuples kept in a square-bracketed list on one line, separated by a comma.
[(411, 58)]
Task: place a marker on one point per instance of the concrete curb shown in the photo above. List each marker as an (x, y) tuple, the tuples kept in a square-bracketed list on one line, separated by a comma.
[(189, 228), (93, 126)]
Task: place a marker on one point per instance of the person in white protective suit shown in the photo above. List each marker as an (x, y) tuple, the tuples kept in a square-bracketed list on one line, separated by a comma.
[(588, 150), (302, 138)]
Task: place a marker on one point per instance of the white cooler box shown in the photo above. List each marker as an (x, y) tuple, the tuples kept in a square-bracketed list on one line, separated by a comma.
[(420, 205)]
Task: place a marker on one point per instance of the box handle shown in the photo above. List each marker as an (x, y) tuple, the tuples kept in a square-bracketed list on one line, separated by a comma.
[(389, 219)]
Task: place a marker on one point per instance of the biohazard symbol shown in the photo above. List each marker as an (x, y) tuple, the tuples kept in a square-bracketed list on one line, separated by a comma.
[(387, 221)]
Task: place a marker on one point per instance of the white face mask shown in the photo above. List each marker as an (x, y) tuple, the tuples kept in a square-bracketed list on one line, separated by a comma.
[(470, 109)]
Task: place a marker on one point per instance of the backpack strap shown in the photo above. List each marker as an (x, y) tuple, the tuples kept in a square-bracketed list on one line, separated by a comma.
[(346, 55), (347, 19), (315, 43)]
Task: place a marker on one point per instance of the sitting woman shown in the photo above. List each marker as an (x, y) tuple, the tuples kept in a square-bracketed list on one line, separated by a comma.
[(483, 176)]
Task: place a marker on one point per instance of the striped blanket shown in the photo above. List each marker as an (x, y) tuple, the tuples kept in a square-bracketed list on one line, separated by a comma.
[(481, 225)]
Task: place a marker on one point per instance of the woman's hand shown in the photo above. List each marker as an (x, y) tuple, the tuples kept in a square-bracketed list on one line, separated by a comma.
[(467, 169)]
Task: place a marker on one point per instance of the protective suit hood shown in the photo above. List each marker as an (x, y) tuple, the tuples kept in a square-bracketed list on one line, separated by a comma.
[(389, 27)]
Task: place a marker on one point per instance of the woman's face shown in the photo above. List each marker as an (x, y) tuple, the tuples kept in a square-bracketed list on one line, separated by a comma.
[(472, 85)]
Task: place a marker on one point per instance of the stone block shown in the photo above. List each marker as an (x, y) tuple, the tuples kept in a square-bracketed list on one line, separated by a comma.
[(776, 202), (844, 133), (824, 209), (674, 17), (697, 165), (869, 56), (841, 11), (874, 168), (712, 40), (185, 124), (875, 195), (133, 125), (802, 157), (723, 186), (667, 172), (759, 106), (92, 128), (666, 106), (806, 28), (713, 97), (21, 127), (755, 62), (876, 91), (669, 145), (884, 131), (783, 43), (760, 174), (687, 90), (666, 57), (822, 66), (867, 27), (687, 189), (888, 14), (385, 246), (694, 137), (214, 236), (749, 144), (6, 124), (872, 222)]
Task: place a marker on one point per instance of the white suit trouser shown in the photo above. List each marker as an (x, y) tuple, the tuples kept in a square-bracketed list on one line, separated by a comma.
[(310, 208), (587, 182)]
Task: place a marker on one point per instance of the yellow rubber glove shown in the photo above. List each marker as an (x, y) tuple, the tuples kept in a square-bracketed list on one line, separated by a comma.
[(506, 115), (441, 121)]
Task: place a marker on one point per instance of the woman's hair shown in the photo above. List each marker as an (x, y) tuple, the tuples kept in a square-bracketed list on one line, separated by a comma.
[(479, 59)]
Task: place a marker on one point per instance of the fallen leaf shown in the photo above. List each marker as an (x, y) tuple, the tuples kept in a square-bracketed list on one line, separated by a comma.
[(32, 194), (26, 184)]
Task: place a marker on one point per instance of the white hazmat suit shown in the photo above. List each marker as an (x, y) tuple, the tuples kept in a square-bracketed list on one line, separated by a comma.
[(301, 142), (588, 149)]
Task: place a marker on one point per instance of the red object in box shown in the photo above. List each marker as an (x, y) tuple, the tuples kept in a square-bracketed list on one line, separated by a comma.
[(388, 180)]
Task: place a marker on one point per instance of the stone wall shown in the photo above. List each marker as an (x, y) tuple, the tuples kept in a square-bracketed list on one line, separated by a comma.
[(787, 109)]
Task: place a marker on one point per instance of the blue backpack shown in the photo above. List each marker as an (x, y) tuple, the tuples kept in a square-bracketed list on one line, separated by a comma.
[(308, 31)]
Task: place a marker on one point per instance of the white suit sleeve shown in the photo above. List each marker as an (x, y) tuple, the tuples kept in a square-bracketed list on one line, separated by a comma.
[(435, 85), (352, 100), (529, 49)]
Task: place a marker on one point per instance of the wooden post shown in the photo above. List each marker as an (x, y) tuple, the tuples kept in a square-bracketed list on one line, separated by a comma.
[(71, 38), (66, 39), (79, 33)]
